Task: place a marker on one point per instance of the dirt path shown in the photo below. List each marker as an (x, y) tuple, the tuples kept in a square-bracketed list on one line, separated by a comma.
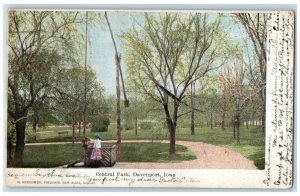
[(208, 157)]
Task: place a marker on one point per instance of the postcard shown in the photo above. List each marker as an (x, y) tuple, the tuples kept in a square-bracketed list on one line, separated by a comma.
[(160, 98)]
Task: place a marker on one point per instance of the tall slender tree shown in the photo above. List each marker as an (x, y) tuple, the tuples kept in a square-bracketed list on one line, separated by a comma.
[(234, 80), (119, 74), (85, 75), (255, 25)]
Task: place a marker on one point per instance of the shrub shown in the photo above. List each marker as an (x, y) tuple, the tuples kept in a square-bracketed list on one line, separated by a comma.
[(30, 135), (146, 125), (128, 126), (100, 123)]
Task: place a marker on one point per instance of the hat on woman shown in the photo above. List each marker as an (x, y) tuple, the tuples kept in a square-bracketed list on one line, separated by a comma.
[(98, 137)]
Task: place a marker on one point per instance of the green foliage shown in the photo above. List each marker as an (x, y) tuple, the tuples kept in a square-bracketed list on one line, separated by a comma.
[(146, 125), (11, 131), (30, 135), (41, 114), (100, 123), (128, 125), (98, 111), (259, 161), (159, 134), (54, 128)]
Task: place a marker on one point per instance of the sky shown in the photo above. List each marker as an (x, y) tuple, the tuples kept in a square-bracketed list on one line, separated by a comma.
[(101, 53)]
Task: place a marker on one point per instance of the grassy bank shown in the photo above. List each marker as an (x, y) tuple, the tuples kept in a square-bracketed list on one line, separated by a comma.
[(252, 143), (154, 152), (48, 156)]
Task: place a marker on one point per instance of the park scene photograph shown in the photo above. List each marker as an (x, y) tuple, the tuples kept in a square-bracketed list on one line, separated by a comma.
[(136, 89)]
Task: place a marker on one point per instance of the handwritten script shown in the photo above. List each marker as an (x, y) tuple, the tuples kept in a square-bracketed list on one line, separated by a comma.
[(279, 99), (61, 177)]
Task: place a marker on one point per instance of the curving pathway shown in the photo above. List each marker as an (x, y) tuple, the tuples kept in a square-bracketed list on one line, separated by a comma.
[(208, 157)]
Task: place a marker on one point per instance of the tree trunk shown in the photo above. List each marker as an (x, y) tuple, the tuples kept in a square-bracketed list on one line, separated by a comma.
[(234, 128), (173, 131), (73, 133), (192, 108), (172, 127), (211, 120), (136, 125), (118, 74), (34, 125), (172, 139), (9, 147), (238, 124), (79, 128), (263, 121), (85, 76), (223, 121), (20, 140), (117, 58), (263, 97), (193, 123), (247, 124), (238, 134)]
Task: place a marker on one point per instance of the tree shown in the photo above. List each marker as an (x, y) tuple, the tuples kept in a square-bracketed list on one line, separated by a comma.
[(40, 114), (100, 123), (139, 105), (98, 109), (26, 88), (69, 95), (224, 109), (212, 101), (208, 96), (255, 25), (118, 75), (169, 52), (234, 81), (37, 40)]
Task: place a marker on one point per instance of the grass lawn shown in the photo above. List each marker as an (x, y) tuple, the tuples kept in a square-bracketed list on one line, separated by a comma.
[(154, 152), (252, 143), (48, 156), (55, 128)]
